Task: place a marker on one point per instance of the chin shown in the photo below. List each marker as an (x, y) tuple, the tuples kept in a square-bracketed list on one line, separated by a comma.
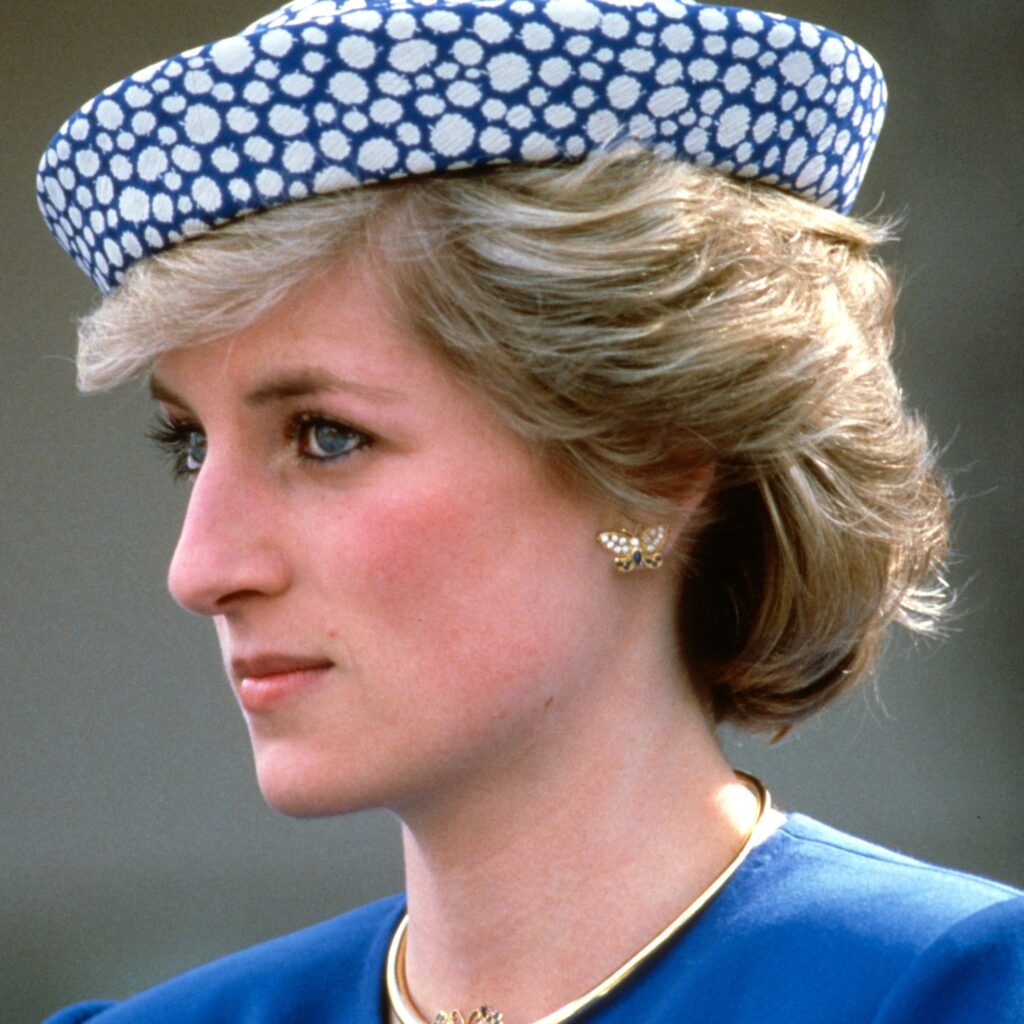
[(302, 791), (298, 801)]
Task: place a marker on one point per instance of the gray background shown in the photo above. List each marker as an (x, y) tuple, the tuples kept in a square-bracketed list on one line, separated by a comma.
[(134, 842)]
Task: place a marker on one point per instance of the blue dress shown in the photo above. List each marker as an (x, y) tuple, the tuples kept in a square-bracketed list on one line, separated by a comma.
[(815, 928)]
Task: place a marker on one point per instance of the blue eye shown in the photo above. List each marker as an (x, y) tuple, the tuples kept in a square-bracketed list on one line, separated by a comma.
[(314, 438), (322, 439), (185, 445), (194, 450)]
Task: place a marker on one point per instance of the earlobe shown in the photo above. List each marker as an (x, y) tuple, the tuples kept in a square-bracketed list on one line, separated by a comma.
[(639, 549), (635, 545)]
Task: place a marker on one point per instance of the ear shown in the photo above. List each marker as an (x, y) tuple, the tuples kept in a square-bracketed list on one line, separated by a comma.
[(694, 495), (690, 514), (693, 508)]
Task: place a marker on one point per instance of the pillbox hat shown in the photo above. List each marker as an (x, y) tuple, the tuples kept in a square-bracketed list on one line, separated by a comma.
[(322, 95)]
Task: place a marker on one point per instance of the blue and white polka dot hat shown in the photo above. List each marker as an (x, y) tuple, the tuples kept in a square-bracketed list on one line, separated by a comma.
[(323, 95)]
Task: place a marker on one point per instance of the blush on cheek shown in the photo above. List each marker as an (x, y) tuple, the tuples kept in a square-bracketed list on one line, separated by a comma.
[(407, 572), (409, 548), (443, 535), (454, 585)]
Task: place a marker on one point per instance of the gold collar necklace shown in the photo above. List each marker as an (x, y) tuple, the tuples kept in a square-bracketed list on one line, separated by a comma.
[(398, 990)]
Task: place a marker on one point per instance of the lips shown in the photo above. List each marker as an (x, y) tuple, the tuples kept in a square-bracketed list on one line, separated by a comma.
[(265, 681), (271, 664)]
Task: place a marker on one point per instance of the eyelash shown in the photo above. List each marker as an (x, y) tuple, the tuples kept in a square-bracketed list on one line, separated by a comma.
[(173, 437)]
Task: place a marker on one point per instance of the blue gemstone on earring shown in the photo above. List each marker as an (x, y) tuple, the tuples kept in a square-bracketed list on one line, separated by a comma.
[(637, 558)]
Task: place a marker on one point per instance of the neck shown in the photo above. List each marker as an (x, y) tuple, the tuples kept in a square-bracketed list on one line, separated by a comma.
[(532, 886)]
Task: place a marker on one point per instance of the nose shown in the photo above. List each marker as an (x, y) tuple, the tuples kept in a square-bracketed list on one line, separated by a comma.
[(228, 550)]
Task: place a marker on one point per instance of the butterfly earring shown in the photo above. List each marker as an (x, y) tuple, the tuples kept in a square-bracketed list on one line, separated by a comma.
[(640, 550)]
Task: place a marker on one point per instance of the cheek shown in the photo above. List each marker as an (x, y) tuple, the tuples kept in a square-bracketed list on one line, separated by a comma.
[(470, 588)]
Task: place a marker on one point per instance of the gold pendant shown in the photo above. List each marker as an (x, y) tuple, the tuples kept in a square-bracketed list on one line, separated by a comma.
[(484, 1015)]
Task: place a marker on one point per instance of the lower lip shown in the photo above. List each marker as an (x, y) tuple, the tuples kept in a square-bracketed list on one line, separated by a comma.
[(263, 693)]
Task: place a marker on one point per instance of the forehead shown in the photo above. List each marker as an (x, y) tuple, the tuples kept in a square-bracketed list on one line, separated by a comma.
[(343, 325)]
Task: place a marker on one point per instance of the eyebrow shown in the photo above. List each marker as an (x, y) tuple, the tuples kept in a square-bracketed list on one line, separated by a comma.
[(299, 383)]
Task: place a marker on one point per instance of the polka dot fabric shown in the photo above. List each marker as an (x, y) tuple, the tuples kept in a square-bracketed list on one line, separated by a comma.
[(322, 95)]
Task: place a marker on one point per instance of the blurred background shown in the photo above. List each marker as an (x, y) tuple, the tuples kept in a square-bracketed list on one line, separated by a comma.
[(133, 840)]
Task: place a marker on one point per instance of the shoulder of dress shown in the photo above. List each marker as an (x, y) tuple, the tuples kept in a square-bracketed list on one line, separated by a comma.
[(328, 972), (974, 971), (843, 858), (814, 876), (822, 926), (80, 1012)]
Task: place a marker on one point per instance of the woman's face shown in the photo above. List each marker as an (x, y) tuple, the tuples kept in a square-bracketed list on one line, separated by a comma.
[(399, 589)]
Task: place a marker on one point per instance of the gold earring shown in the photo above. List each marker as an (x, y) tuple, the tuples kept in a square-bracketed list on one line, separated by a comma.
[(640, 550)]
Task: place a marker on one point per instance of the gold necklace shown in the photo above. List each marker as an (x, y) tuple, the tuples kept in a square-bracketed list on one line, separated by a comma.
[(398, 989)]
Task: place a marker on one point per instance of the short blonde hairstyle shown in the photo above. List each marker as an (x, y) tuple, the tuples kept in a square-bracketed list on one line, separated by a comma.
[(639, 319)]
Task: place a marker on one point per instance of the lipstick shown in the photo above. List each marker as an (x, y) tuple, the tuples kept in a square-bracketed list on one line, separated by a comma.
[(269, 680)]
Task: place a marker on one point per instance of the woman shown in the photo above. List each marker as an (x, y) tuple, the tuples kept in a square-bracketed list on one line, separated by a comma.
[(534, 389)]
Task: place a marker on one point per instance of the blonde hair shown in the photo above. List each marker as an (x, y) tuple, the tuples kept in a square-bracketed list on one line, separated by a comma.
[(639, 319)]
